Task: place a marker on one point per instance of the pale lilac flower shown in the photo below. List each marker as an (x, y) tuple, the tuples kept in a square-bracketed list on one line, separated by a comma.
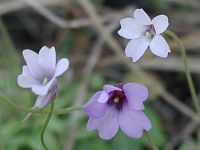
[(117, 107), (143, 33), (40, 74)]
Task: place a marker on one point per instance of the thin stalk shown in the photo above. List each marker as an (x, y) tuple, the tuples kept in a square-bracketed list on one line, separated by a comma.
[(150, 141), (9, 102), (45, 126), (187, 70)]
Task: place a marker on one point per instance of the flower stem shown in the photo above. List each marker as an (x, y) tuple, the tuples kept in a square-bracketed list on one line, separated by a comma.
[(45, 126), (187, 71), (150, 141), (8, 101)]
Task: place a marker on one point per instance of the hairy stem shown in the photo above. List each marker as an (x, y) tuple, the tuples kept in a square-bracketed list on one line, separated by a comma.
[(187, 71)]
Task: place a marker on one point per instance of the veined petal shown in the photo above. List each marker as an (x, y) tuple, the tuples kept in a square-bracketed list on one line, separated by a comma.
[(136, 48), (141, 17), (160, 23), (31, 59), (110, 88), (61, 66), (108, 125), (94, 108), (47, 60), (130, 29), (159, 46), (136, 94), (133, 122), (25, 80)]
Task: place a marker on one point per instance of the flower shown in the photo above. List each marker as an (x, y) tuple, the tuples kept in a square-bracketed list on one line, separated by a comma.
[(118, 107), (40, 74), (143, 33)]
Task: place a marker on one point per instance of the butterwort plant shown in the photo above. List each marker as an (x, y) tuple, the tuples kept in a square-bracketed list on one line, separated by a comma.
[(119, 106), (143, 33), (40, 73)]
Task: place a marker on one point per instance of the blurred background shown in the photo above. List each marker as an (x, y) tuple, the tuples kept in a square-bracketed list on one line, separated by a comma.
[(85, 31)]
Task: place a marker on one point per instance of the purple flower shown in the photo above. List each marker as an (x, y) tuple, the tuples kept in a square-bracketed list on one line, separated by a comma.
[(143, 33), (40, 74), (118, 106)]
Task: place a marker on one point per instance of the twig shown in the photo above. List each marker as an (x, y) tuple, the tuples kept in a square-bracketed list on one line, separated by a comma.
[(54, 18), (173, 63), (9, 6)]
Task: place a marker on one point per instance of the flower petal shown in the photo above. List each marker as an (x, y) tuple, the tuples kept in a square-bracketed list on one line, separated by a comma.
[(47, 60), (61, 66), (93, 108), (141, 17), (110, 88), (136, 94), (159, 46), (42, 89), (43, 101), (133, 122), (31, 59), (93, 123), (136, 48), (108, 125), (103, 98), (160, 23), (130, 29), (25, 80)]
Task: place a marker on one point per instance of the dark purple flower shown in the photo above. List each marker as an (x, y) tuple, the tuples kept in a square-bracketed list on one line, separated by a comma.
[(118, 106)]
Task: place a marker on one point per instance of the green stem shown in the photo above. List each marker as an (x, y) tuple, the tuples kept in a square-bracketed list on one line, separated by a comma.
[(45, 126), (150, 141), (187, 71), (8, 101)]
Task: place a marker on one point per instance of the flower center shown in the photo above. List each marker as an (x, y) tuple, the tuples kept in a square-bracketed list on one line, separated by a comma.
[(117, 98), (150, 32), (45, 81)]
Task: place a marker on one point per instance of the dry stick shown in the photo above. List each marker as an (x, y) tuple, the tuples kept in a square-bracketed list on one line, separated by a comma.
[(89, 67), (173, 63), (15, 5), (39, 7), (54, 18), (88, 7)]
